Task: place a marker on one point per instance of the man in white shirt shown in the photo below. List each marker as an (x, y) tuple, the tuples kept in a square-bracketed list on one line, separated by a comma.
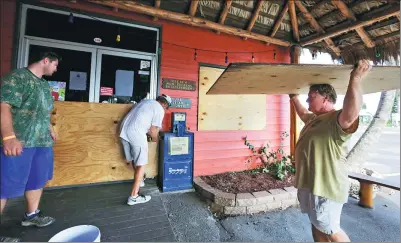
[(144, 119)]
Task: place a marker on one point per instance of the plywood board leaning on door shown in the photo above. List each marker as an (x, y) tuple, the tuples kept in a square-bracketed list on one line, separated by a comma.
[(228, 112), (252, 78), (88, 149)]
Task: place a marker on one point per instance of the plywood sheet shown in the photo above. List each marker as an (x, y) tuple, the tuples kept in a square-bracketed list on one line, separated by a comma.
[(252, 78), (228, 112), (88, 149)]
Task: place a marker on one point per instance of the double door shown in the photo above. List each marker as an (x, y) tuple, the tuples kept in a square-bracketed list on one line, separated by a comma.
[(90, 74)]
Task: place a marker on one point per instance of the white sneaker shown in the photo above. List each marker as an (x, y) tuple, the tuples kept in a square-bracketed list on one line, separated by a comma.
[(142, 184), (139, 199)]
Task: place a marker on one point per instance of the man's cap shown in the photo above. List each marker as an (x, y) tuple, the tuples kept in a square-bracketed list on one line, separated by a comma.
[(166, 98)]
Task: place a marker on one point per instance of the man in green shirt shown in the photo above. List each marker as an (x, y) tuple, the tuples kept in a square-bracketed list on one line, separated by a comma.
[(27, 136), (321, 177)]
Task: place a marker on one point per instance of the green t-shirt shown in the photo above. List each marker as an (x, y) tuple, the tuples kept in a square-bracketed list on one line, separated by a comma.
[(320, 155), (31, 103)]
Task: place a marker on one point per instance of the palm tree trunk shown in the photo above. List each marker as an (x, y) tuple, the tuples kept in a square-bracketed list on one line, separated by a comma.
[(357, 156)]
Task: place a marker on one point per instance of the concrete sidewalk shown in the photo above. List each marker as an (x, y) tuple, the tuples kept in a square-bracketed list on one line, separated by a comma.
[(192, 221)]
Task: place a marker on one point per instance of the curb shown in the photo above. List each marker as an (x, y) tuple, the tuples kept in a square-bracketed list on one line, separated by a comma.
[(229, 204)]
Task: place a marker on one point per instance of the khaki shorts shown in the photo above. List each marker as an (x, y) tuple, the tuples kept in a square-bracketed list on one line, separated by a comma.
[(323, 213), (137, 154)]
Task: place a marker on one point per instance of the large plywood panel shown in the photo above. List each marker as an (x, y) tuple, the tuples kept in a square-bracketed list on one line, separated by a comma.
[(228, 112), (88, 149), (252, 78)]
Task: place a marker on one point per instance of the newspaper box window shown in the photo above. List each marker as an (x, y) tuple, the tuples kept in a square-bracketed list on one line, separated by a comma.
[(176, 152)]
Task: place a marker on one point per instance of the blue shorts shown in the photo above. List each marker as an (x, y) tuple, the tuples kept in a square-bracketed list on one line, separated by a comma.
[(29, 171)]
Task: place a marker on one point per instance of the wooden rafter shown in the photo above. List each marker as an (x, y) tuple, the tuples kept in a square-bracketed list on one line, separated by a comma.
[(372, 27), (193, 7), (341, 29), (350, 15), (192, 21), (294, 21), (308, 16), (255, 15), (279, 20), (157, 5), (398, 17), (224, 13), (379, 40)]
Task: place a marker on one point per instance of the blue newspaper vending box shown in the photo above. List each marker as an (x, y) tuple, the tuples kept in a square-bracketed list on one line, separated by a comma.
[(176, 156)]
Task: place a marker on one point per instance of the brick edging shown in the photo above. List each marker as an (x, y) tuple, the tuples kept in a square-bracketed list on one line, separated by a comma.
[(224, 203)]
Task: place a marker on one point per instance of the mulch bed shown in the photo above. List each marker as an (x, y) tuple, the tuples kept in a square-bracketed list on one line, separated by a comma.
[(243, 182)]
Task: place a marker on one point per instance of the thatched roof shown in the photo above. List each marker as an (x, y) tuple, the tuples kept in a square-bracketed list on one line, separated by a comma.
[(348, 29)]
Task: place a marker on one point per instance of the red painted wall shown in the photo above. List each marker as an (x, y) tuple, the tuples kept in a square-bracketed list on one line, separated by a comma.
[(215, 152), (7, 17)]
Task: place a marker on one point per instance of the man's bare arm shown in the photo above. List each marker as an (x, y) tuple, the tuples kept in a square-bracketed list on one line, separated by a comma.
[(154, 133), (353, 97), (6, 121), (302, 112)]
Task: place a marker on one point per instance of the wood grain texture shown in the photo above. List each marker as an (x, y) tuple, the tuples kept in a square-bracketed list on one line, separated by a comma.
[(228, 112), (252, 78), (88, 149)]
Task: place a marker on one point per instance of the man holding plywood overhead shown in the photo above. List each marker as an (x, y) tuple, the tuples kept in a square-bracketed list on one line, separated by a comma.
[(321, 176)]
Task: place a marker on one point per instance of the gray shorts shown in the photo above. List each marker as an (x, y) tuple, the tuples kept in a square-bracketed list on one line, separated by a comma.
[(137, 154), (323, 213)]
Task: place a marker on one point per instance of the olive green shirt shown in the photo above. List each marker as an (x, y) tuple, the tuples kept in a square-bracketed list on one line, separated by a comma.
[(320, 155), (31, 103)]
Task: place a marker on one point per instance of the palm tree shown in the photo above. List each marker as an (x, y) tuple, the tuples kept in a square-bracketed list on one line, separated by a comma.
[(356, 157)]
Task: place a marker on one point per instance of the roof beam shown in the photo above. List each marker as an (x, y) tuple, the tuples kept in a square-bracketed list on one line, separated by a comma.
[(224, 13), (157, 5), (279, 20), (294, 21), (371, 27), (255, 15), (193, 7), (350, 15), (317, 27), (340, 29), (192, 21), (378, 40)]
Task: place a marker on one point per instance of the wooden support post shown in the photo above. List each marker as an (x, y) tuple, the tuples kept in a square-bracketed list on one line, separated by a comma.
[(366, 195), (295, 55)]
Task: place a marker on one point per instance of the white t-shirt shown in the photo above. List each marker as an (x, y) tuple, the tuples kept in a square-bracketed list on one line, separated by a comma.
[(138, 121)]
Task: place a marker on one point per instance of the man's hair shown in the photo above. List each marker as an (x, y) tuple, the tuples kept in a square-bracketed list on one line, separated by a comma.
[(325, 90), (162, 99), (52, 56)]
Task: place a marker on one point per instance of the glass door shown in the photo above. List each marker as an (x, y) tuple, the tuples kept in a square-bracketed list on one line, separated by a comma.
[(124, 77), (74, 79)]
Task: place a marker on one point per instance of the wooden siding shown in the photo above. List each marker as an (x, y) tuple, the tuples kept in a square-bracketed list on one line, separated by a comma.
[(215, 152), (7, 17)]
